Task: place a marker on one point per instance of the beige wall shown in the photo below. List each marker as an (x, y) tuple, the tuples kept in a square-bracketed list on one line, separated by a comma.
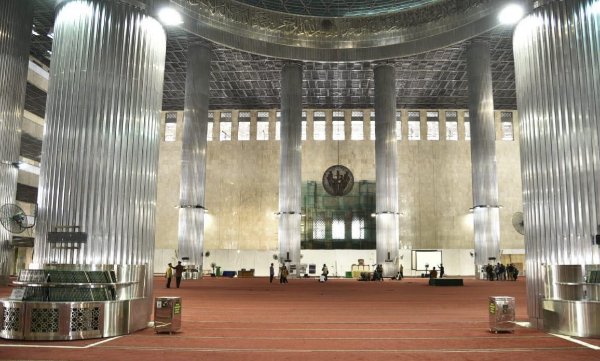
[(242, 185)]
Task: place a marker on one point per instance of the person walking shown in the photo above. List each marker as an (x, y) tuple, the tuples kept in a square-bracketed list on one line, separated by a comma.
[(178, 273), (271, 273), (283, 273), (169, 274), (325, 271)]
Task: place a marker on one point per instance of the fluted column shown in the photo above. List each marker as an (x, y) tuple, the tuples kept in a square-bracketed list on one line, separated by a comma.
[(193, 158), (15, 33), (556, 51), (486, 216), (386, 168), (290, 174), (100, 149)]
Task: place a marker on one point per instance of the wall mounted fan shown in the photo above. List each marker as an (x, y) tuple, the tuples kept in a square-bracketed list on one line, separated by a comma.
[(518, 223), (14, 219)]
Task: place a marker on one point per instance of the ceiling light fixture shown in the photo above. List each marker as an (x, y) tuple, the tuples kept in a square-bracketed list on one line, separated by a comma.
[(511, 14), (169, 16)]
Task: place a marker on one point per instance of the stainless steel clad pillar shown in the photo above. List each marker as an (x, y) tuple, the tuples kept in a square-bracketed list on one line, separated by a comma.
[(100, 149), (290, 174), (193, 158), (386, 163), (15, 36), (556, 51), (486, 215)]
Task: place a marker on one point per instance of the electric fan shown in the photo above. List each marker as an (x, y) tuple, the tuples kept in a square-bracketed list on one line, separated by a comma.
[(518, 223), (14, 219)]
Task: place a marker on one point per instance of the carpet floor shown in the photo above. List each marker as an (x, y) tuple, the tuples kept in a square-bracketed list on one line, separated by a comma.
[(234, 319)]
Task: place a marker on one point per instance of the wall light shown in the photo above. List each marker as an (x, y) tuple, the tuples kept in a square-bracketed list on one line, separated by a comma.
[(511, 14), (169, 16)]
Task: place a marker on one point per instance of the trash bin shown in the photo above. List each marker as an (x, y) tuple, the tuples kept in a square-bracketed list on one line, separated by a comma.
[(502, 314), (167, 314)]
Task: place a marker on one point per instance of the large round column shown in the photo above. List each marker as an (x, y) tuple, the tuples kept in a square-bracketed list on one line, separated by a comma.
[(486, 216), (386, 168), (100, 149), (193, 158), (15, 35), (556, 51), (290, 174)]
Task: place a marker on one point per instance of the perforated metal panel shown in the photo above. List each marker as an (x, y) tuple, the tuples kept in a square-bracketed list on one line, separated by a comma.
[(44, 320)]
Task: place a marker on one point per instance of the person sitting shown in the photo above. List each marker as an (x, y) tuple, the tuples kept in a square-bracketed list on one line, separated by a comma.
[(433, 273), (378, 274)]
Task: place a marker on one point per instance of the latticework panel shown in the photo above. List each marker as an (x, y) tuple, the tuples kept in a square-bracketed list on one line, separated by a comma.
[(44, 320), (85, 319), (11, 319)]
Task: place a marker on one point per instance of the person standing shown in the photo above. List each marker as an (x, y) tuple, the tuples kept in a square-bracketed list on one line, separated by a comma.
[(169, 274), (441, 270), (178, 273), (325, 272), (271, 273), (283, 273)]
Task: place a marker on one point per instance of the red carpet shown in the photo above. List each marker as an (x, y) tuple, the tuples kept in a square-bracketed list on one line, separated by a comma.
[(250, 319)]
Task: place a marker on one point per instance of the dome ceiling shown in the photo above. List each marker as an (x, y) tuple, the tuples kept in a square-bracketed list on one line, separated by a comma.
[(338, 8), (240, 80), (274, 28)]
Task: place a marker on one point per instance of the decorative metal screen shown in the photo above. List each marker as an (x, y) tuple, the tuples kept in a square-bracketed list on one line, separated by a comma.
[(338, 222), (11, 319), (44, 320), (318, 228), (85, 319), (338, 227)]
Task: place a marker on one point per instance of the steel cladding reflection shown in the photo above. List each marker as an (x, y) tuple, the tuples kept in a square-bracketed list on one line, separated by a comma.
[(386, 167), (16, 17), (486, 219), (193, 158), (100, 150), (290, 166), (556, 68)]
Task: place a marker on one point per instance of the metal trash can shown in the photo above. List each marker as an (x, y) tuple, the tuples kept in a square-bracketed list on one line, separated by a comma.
[(167, 314), (502, 314)]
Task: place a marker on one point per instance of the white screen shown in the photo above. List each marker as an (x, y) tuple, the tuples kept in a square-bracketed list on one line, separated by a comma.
[(422, 258)]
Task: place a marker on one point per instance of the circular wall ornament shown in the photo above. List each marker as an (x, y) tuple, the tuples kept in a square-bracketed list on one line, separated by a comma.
[(338, 180)]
